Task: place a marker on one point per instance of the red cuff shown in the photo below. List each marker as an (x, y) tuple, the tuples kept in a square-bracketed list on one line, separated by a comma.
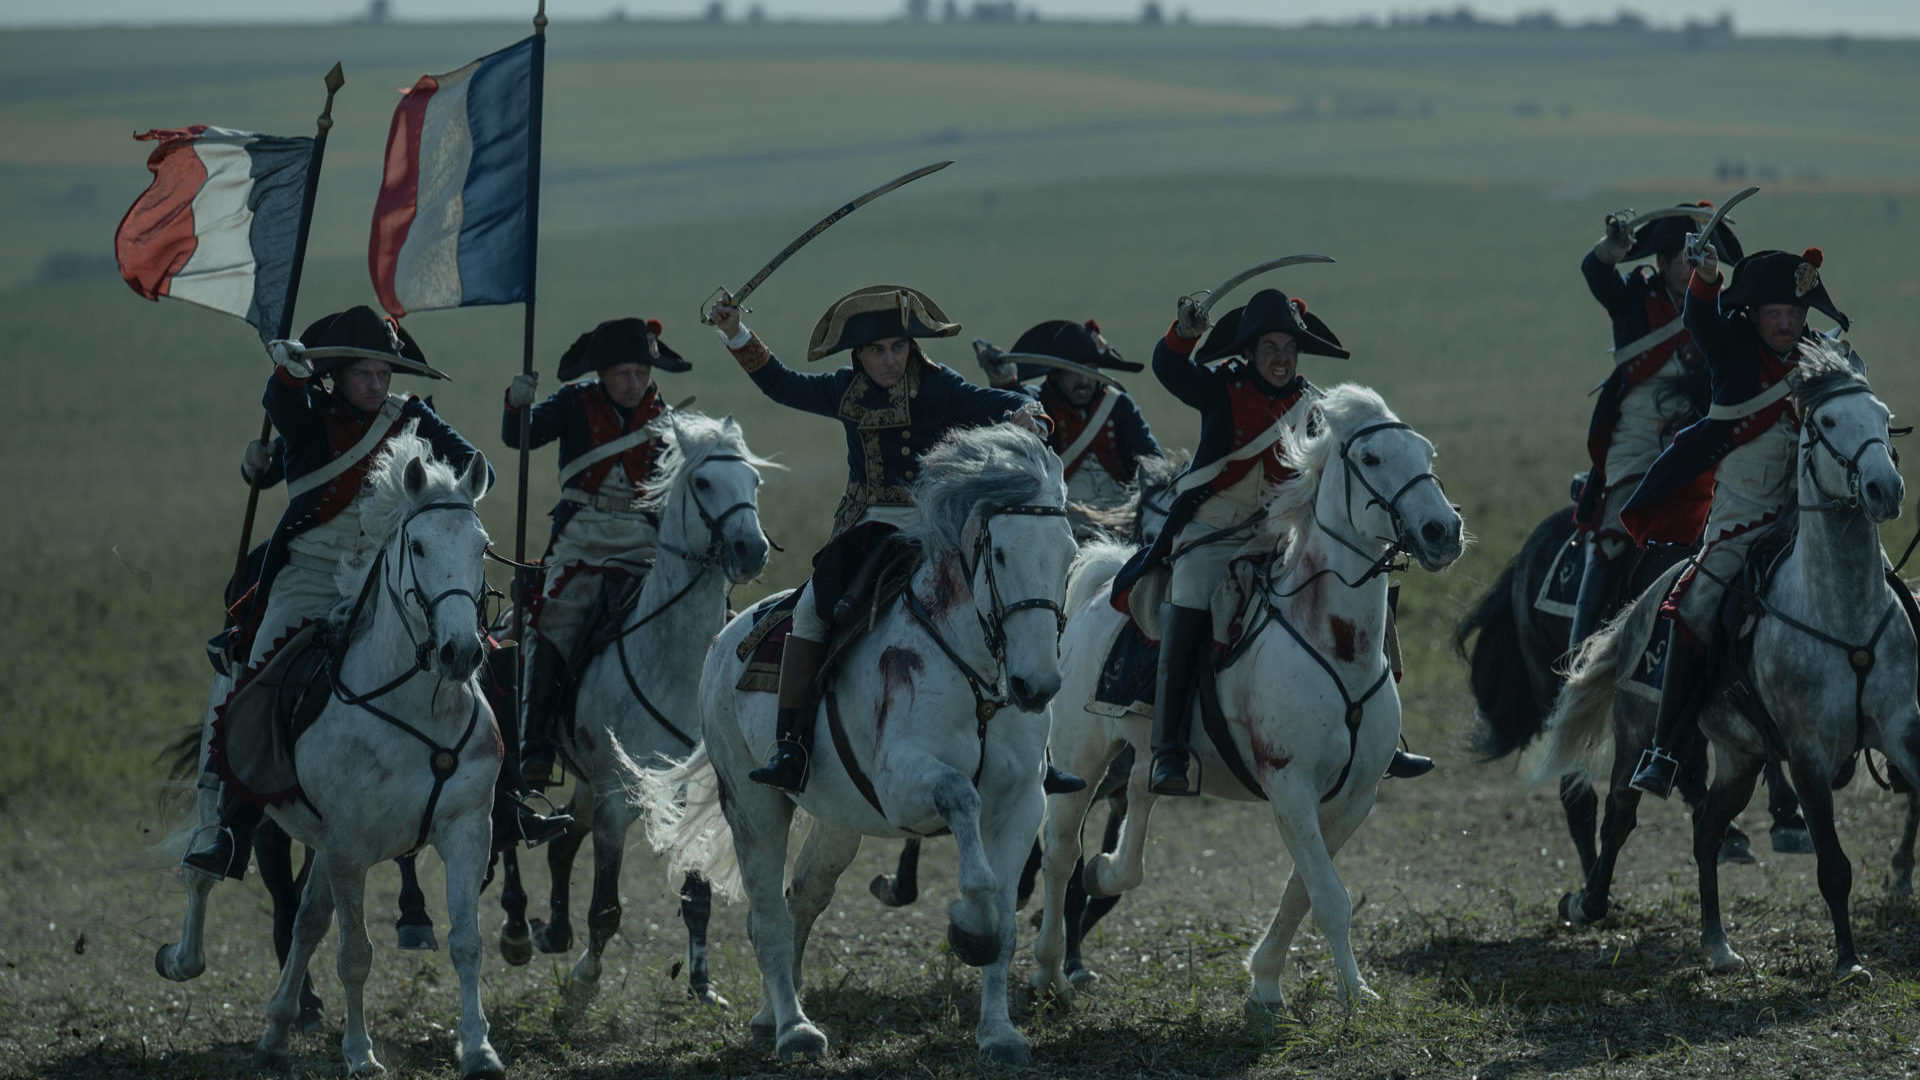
[(1702, 289), (288, 378), (752, 356), (1181, 346)]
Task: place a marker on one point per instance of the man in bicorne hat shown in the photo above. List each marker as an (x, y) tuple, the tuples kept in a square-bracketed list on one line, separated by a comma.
[(1658, 386), (895, 405), (607, 448), (1730, 473), (1098, 430), (329, 399), (1244, 405)]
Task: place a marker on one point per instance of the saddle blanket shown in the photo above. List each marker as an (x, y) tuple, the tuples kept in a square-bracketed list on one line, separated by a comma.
[(1129, 676), (255, 729), (1560, 592)]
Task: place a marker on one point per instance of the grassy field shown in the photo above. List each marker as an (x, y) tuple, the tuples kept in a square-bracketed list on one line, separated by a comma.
[(1103, 171)]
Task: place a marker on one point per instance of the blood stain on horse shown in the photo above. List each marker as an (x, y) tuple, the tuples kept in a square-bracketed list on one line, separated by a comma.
[(1266, 756), (948, 586), (585, 735), (1345, 639), (898, 666)]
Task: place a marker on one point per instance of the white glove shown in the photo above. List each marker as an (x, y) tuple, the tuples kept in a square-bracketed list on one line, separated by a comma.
[(1189, 321), (999, 372), (1702, 257), (520, 391), (291, 355), (1618, 241), (255, 461)]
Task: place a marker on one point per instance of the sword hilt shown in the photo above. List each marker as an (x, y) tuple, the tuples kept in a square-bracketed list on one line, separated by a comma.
[(719, 295)]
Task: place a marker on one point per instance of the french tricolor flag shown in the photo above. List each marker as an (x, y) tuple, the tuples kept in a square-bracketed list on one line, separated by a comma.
[(220, 224), (452, 225)]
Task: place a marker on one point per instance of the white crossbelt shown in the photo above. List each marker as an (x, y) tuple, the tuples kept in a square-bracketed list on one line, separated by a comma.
[(1078, 449), (1205, 474), (1641, 344), (389, 412), (1752, 405), (571, 469)]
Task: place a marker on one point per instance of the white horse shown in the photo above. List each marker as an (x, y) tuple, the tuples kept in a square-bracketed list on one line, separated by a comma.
[(1833, 669), (1309, 703), (920, 705), (374, 789), (638, 698)]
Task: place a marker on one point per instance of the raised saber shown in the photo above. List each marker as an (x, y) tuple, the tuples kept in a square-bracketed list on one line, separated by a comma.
[(988, 354), (738, 297), (1693, 246), (1697, 213), (1207, 298)]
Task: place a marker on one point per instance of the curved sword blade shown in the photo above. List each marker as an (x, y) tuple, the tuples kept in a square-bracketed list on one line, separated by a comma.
[(740, 295), (1697, 213), (1213, 295), (1721, 214), (1062, 365)]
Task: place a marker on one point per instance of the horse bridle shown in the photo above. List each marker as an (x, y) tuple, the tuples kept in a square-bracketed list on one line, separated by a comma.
[(1851, 463), (714, 522), (994, 621), (1395, 543)]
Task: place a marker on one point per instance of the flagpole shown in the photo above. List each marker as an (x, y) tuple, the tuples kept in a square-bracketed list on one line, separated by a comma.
[(335, 79), (535, 94)]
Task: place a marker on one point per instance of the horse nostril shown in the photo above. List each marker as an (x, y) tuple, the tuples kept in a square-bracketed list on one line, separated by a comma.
[(1873, 491), (1433, 532), (1022, 691)]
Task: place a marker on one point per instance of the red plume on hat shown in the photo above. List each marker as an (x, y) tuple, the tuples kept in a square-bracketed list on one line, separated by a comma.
[(1814, 256), (1299, 305)]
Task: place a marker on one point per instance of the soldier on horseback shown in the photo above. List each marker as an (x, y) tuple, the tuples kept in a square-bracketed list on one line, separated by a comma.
[(329, 398), (1098, 430), (607, 448), (1245, 405), (1730, 473), (1657, 386), (895, 404)]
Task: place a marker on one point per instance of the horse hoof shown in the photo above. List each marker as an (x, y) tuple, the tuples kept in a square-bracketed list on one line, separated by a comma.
[(1082, 976), (552, 939), (885, 889), (1573, 910), (370, 1068), (1014, 1051), (483, 1064), (272, 1063), (1792, 840), (973, 950), (1853, 977), (803, 1040), (1262, 1017), (516, 944), (418, 937), (706, 995), (1736, 850), (1725, 961), (168, 971), (1901, 888)]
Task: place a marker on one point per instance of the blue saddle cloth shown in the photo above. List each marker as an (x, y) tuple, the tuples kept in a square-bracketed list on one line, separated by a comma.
[(1131, 673)]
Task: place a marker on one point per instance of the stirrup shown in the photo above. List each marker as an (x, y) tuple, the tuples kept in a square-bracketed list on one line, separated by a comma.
[(1164, 759), (1655, 773), (534, 827), (786, 756)]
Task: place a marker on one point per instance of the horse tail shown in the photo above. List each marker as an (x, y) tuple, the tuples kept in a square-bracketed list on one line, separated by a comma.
[(182, 755), (1094, 566), (1577, 740), (1509, 710), (685, 822)]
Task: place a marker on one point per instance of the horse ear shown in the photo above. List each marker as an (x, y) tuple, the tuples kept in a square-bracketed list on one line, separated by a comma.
[(473, 482), (732, 426), (415, 477)]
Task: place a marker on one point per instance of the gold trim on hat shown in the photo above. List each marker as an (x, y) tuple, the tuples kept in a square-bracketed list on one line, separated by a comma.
[(907, 301)]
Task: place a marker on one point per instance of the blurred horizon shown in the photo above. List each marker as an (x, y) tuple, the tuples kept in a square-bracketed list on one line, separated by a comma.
[(1856, 18)]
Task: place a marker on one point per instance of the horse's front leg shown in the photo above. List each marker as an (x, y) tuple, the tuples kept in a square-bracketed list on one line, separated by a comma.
[(1296, 810), (555, 934), (824, 856), (1111, 873), (273, 854), (1733, 786), (516, 939), (283, 1008), (612, 816), (414, 928), (1007, 832), (349, 884), (464, 845), (1268, 960), (1789, 832), (1059, 858), (1835, 872), (902, 887), (696, 909), (185, 959), (1589, 905), (973, 921), (1583, 818)]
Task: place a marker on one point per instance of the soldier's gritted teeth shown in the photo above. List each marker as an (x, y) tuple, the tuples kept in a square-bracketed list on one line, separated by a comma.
[(885, 361), (1276, 356), (627, 383), (1078, 389), (1780, 325), (364, 383)]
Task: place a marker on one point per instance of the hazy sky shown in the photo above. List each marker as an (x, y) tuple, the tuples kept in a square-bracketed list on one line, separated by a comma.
[(1873, 17)]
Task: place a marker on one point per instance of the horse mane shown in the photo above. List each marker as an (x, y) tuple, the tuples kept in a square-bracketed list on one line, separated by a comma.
[(385, 503), (1823, 370), (998, 465), (1340, 411), (1163, 468), (1154, 473), (688, 439)]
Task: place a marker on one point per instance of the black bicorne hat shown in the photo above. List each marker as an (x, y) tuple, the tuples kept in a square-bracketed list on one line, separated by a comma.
[(360, 333), (1270, 311), (619, 341), (1780, 277), (1669, 234), (1080, 343), (875, 313)]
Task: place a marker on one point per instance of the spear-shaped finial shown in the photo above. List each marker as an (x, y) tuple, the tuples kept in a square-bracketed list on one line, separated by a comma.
[(540, 18), (335, 80)]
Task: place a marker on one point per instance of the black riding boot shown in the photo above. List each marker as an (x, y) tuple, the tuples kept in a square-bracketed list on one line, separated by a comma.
[(791, 760), (1059, 782), (511, 815), (1679, 711), (1406, 765), (546, 677), (1185, 636), (1599, 587), (232, 844)]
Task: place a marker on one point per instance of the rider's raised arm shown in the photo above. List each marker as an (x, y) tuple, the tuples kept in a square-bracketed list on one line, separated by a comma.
[(819, 394), (289, 401), (1713, 330), (1608, 286), (1174, 366)]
